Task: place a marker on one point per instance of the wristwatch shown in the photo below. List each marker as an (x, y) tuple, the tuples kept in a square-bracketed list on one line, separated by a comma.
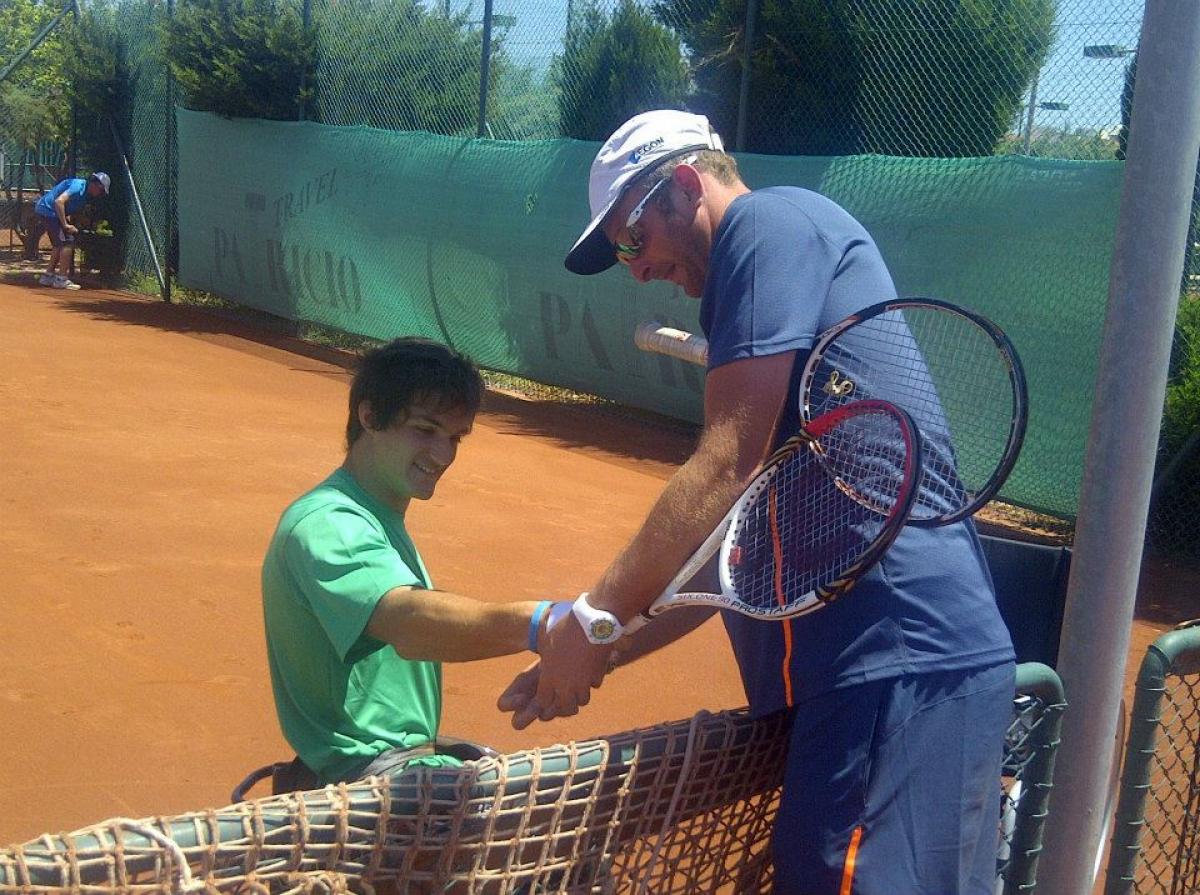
[(599, 625)]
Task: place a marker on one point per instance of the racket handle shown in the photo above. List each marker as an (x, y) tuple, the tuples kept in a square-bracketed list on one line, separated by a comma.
[(653, 336), (636, 623)]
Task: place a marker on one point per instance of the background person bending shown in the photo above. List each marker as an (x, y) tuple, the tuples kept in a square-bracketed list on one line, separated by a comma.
[(54, 210)]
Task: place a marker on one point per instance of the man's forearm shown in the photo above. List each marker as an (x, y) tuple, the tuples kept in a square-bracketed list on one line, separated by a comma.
[(663, 631), (438, 626), (691, 505)]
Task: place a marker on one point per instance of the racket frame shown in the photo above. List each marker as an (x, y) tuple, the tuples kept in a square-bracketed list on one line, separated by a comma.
[(720, 542), (1007, 352)]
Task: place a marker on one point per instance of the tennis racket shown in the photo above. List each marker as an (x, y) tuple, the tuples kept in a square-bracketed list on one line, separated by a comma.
[(954, 371), (799, 537)]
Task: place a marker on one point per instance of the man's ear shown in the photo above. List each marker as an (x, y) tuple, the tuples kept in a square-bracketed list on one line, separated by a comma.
[(365, 415), (689, 181)]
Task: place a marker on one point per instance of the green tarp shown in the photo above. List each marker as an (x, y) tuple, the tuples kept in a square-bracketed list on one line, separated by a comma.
[(383, 233)]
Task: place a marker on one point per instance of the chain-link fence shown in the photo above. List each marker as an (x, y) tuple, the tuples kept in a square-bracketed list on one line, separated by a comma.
[(1029, 750), (939, 78), (35, 119), (1155, 846)]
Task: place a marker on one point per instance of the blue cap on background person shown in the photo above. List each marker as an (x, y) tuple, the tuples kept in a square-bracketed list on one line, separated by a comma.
[(641, 143)]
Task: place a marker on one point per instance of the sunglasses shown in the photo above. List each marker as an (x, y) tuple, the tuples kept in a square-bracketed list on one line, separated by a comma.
[(629, 251)]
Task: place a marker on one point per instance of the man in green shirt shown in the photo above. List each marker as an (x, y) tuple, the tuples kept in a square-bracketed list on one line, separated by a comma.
[(356, 634)]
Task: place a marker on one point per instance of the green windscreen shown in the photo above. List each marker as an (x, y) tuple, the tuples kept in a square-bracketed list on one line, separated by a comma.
[(387, 233)]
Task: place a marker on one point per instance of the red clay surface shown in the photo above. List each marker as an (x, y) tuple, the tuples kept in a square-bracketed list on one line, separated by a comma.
[(147, 453)]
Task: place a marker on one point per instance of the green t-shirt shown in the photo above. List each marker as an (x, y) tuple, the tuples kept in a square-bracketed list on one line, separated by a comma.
[(342, 696)]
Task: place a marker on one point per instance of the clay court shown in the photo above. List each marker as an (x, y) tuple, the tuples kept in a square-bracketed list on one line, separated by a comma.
[(148, 450)]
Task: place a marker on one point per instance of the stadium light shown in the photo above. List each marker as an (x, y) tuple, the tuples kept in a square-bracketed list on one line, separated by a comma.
[(1034, 105), (1106, 51)]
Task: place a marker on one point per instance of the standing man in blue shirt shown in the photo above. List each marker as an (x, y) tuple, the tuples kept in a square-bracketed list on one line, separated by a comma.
[(54, 210), (901, 692)]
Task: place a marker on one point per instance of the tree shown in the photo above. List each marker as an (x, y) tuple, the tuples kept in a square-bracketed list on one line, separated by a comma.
[(524, 107), (1082, 144), (35, 106), (835, 77), (241, 58), (397, 65), (94, 63), (1191, 258), (613, 68)]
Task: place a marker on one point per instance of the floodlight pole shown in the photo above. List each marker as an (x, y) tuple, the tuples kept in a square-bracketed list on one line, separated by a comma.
[(739, 143), (1032, 106), (485, 64), (1164, 142)]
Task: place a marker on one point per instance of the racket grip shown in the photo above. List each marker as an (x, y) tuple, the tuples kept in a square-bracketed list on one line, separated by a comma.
[(653, 336), (636, 623)]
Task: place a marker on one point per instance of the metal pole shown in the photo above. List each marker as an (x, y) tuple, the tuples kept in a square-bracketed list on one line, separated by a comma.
[(137, 204), (1032, 105), (169, 154), (1119, 466), (307, 18), (485, 64), (739, 143)]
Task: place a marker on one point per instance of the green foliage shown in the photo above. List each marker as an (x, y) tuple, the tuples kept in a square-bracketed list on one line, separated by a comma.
[(34, 102), (1182, 414), (834, 77), (241, 58), (523, 107), (1079, 143), (28, 118), (395, 64), (613, 68), (94, 64)]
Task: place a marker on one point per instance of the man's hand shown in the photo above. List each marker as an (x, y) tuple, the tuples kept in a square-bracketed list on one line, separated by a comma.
[(518, 695), (570, 667), (70, 228), (562, 681)]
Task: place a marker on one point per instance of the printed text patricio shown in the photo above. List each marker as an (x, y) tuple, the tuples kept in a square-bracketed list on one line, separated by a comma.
[(320, 189)]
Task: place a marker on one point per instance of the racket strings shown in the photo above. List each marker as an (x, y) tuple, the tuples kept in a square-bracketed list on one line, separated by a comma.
[(950, 374), (804, 533)]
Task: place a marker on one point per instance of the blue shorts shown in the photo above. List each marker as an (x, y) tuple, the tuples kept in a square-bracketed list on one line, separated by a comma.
[(893, 787), (58, 236)]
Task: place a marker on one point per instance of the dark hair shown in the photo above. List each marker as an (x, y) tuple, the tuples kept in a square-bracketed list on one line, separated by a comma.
[(397, 375)]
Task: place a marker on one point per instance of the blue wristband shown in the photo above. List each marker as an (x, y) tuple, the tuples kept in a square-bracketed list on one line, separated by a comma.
[(535, 622)]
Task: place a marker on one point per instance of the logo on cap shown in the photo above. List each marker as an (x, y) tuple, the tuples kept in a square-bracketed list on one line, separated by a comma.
[(645, 149)]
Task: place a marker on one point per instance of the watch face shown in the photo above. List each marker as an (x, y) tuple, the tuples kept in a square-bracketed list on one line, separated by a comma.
[(602, 630)]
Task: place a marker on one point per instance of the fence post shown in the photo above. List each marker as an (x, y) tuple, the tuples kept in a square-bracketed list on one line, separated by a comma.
[(485, 64), (169, 156), (1147, 262), (739, 143), (307, 20), (141, 212)]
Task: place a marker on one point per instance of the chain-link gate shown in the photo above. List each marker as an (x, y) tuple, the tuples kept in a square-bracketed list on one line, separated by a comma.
[(1028, 771), (1155, 847)]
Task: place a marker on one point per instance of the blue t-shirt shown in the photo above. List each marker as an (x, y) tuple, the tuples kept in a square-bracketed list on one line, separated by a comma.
[(786, 264), (76, 190)]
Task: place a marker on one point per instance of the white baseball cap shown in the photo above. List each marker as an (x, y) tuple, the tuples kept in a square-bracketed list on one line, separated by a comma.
[(640, 144), (102, 178)]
